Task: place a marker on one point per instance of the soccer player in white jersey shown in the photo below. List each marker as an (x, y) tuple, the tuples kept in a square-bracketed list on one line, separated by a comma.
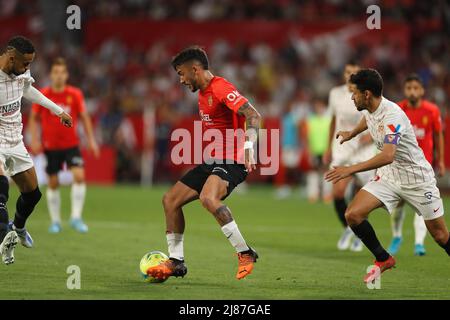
[(15, 83), (403, 173), (346, 117)]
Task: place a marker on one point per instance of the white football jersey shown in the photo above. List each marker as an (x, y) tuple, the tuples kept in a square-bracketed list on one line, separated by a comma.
[(11, 92), (347, 117), (389, 123)]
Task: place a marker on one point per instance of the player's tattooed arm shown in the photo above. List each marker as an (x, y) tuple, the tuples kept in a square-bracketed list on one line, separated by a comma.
[(252, 120)]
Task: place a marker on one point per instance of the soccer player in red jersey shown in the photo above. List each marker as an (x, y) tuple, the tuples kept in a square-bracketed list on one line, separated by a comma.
[(425, 118), (62, 148), (221, 108)]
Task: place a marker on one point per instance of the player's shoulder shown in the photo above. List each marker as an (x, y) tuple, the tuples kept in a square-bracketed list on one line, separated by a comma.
[(428, 105), (73, 90), (45, 90), (391, 109), (338, 90), (220, 82), (402, 103)]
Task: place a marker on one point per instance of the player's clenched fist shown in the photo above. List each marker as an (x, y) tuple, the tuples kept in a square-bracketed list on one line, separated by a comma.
[(250, 163)]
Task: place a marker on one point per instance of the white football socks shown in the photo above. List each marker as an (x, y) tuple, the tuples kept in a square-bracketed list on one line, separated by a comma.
[(54, 204), (78, 193), (175, 244), (420, 229), (231, 231), (398, 217)]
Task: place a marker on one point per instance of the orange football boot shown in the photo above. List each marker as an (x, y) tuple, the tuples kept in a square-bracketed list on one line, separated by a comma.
[(168, 268), (246, 260)]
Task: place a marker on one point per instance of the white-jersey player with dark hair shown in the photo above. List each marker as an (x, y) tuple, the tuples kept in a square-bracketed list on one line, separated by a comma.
[(403, 173), (15, 83), (346, 117)]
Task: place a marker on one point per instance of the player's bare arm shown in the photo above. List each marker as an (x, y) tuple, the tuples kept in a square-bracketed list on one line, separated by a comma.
[(439, 138), (87, 123), (252, 121), (385, 157), (349, 135), (33, 95)]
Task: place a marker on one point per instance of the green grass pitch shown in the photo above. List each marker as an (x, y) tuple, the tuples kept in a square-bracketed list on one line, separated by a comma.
[(296, 242)]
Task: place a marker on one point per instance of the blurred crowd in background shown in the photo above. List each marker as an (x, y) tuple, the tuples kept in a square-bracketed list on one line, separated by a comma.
[(118, 81)]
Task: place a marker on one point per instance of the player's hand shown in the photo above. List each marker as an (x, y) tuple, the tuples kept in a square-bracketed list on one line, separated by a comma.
[(66, 119), (94, 148), (338, 173), (441, 169), (250, 163), (326, 157), (36, 147), (346, 136)]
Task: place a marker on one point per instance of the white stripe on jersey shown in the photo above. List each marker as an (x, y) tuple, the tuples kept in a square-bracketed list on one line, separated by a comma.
[(409, 168), (11, 92)]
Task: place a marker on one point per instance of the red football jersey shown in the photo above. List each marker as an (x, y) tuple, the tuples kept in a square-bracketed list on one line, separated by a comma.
[(426, 120), (55, 135), (218, 106)]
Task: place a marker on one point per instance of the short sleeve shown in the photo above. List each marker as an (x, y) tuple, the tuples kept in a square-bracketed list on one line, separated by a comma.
[(394, 127), (227, 93), (80, 102)]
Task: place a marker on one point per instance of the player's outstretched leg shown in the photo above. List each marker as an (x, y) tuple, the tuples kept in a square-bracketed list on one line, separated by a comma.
[(30, 196), (173, 201), (213, 191), (420, 232), (397, 219), (438, 229), (356, 215), (8, 238)]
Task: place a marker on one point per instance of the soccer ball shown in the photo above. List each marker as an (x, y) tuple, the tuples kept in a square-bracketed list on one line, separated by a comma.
[(151, 259)]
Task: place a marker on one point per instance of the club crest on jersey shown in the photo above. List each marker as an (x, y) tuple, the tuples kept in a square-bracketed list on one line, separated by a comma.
[(210, 101), (381, 129), (69, 100), (394, 129), (425, 120)]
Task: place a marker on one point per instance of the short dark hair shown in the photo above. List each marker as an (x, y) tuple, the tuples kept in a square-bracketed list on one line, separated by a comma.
[(368, 79), (59, 61), (191, 53), (21, 44), (414, 77), (352, 62)]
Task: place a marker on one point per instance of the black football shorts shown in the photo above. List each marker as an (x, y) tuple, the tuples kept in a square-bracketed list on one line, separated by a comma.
[(56, 159), (233, 173)]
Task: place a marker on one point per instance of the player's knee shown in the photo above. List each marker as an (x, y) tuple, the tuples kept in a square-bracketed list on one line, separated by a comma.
[(207, 200), (352, 217), (33, 197), (440, 236), (167, 201)]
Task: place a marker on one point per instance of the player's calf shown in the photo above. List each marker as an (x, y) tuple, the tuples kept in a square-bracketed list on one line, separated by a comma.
[(25, 206)]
